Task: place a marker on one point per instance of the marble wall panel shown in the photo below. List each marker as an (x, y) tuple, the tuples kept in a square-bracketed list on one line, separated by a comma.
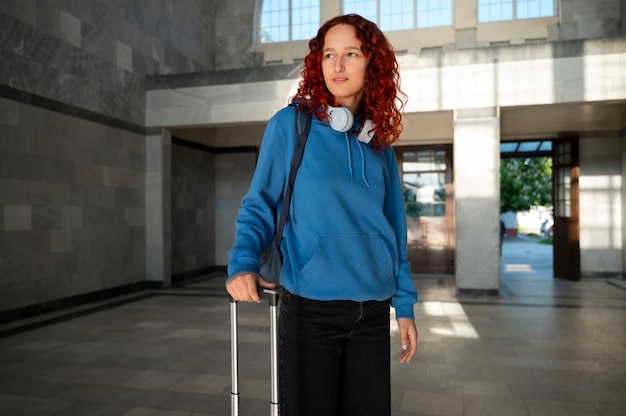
[(193, 184), (94, 55), (57, 171), (70, 29), (130, 198), (25, 10), (48, 194), (72, 207), (234, 35), (18, 217), (48, 18), (9, 114), (61, 242), (233, 174), (12, 192), (46, 217), (23, 290)]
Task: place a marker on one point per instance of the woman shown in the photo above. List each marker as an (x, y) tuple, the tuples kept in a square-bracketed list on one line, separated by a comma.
[(344, 245)]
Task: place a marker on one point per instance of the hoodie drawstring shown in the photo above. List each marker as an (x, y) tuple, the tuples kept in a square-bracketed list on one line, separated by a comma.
[(350, 160), (363, 165), (349, 155)]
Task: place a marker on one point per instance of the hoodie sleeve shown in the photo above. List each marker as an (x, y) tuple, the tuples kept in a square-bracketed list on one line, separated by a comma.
[(406, 295), (255, 223)]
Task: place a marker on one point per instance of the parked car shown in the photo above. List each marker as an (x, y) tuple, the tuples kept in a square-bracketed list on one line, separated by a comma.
[(547, 227)]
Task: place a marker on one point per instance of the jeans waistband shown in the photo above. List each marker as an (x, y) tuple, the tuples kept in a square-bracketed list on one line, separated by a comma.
[(338, 302)]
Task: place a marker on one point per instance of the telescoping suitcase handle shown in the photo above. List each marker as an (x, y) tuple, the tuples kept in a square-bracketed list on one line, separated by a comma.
[(272, 296)]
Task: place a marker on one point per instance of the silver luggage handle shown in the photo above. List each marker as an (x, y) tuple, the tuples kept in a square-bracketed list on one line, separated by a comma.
[(272, 295)]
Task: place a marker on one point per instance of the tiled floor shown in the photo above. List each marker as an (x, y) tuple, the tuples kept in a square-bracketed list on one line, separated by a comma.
[(546, 348)]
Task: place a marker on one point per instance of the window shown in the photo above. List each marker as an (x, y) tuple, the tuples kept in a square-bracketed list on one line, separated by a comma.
[(434, 13), (424, 183), (402, 14), (527, 9), (498, 10), (285, 20), (397, 15)]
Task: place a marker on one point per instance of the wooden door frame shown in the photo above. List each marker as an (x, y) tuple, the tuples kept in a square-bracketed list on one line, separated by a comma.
[(566, 238)]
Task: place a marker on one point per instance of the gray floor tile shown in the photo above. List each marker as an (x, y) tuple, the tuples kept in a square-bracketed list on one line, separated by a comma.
[(478, 388), (610, 410), (142, 411), (30, 406), (94, 409), (483, 406), (546, 347), (444, 404), (554, 408)]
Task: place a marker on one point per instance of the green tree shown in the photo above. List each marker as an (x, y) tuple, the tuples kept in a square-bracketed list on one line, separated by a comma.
[(525, 183)]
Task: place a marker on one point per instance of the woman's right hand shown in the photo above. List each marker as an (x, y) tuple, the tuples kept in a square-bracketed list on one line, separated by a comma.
[(245, 287)]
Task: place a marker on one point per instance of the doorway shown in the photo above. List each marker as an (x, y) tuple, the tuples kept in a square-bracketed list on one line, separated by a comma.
[(564, 180), (426, 174)]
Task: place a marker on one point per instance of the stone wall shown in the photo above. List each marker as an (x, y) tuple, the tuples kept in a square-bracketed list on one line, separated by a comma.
[(73, 162), (235, 35), (234, 171), (94, 54), (601, 193), (71, 204), (583, 19), (193, 209)]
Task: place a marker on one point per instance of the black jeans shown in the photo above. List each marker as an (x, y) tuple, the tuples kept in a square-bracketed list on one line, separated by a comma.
[(335, 357)]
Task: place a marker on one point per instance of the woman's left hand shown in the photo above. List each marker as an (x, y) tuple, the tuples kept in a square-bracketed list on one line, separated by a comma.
[(408, 334)]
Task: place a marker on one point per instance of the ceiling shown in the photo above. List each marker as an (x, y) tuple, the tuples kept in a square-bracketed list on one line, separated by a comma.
[(519, 125), (526, 148)]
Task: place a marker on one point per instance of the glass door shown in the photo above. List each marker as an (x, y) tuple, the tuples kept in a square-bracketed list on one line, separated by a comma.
[(426, 173)]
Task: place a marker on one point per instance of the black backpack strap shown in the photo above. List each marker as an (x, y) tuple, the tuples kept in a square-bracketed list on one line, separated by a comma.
[(303, 125)]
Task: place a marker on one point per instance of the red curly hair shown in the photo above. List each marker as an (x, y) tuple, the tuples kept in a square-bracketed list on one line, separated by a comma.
[(383, 99)]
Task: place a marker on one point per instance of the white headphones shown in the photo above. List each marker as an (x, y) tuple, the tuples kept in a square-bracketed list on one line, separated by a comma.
[(341, 119)]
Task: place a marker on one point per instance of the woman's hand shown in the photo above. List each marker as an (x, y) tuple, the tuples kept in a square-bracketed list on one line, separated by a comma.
[(245, 287), (408, 335)]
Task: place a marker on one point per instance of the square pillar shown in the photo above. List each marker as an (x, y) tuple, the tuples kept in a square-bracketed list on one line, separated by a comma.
[(623, 199), (158, 210), (477, 200)]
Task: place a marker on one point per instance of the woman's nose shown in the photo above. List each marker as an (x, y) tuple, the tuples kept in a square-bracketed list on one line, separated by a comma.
[(339, 66)]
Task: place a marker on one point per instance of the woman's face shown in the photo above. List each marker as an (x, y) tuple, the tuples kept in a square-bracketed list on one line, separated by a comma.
[(344, 66)]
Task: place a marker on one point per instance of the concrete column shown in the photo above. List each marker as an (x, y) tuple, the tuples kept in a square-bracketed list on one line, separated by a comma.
[(158, 209), (329, 9), (477, 200), (465, 19), (465, 15), (623, 190)]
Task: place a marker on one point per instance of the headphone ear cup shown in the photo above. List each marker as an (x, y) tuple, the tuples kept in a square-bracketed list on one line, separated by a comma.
[(365, 135), (340, 118)]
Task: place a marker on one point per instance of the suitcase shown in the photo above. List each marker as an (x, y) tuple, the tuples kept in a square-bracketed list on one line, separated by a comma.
[(272, 296)]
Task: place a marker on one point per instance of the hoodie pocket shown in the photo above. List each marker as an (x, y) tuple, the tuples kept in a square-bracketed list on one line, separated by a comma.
[(347, 265)]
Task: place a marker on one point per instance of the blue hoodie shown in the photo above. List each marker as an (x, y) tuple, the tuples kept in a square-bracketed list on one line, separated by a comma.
[(346, 234)]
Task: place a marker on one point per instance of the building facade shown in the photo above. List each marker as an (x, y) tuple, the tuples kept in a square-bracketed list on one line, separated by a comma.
[(129, 132)]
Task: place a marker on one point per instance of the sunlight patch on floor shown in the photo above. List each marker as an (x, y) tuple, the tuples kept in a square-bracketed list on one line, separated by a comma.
[(457, 324), (518, 268)]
